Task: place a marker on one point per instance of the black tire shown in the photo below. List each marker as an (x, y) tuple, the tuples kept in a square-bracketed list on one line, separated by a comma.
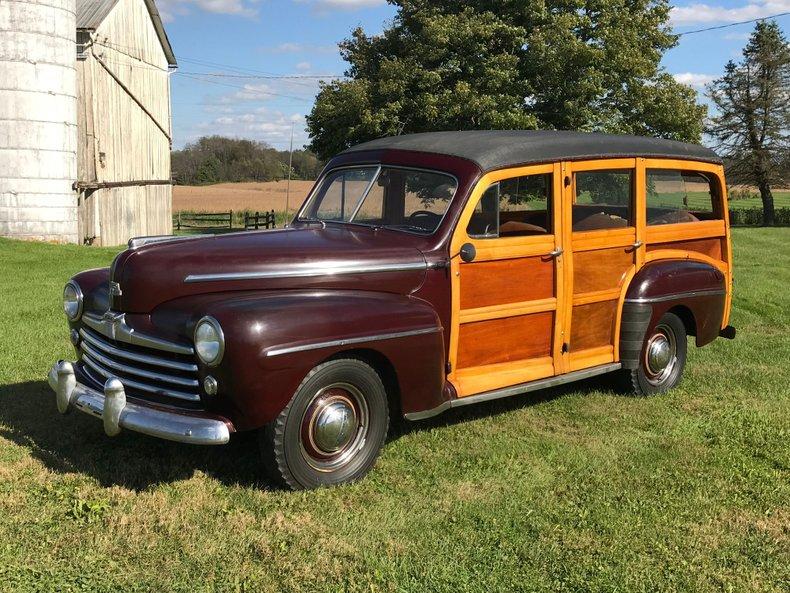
[(340, 403), (651, 377)]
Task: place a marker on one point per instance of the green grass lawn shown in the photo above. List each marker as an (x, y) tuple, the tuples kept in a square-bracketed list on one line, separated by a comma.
[(574, 489), (781, 200)]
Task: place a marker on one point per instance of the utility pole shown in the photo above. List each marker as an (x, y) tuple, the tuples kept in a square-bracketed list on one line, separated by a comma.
[(290, 167)]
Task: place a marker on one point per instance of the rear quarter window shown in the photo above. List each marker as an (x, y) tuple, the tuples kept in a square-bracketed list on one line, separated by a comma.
[(675, 196)]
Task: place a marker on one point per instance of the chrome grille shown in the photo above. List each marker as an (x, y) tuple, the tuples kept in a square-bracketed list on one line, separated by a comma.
[(147, 371)]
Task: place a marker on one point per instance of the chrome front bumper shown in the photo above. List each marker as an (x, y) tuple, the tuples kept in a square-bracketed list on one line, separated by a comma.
[(116, 413)]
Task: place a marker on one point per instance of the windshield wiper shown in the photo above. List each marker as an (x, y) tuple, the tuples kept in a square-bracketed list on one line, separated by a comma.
[(311, 220), (407, 227)]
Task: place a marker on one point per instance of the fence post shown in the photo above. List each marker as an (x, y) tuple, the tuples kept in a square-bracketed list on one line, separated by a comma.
[(230, 219), (257, 220)]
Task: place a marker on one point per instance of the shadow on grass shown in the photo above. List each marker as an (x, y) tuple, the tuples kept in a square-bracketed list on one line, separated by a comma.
[(496, 407), (77, 443)]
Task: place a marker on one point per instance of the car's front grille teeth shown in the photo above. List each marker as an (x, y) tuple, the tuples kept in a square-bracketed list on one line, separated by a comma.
[(145, 372)]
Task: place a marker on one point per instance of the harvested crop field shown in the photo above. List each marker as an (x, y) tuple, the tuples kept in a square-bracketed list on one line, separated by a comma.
[(221, 197)]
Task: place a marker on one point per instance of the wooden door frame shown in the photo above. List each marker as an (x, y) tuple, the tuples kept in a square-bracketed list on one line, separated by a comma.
[(597, 239), (500, 249)]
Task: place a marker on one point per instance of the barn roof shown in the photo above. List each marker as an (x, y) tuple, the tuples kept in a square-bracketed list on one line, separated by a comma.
[(496, 149), (91, 13)]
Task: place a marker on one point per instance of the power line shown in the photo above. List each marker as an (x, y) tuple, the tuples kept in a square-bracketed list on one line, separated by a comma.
[(265, 76), (763, 18), (246, 89)]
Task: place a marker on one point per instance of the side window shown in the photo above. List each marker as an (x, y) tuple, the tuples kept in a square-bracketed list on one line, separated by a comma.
[(516, 207), (604, 199), (675, 196)]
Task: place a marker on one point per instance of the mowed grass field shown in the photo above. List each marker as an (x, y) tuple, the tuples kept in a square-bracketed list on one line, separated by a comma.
[(574, 489), (222, 197)]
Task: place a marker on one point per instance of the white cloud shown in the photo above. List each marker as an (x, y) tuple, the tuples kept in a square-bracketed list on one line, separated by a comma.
[(271, 126), (699, 13), (299, 48), (243, 8), (324, 5), (738, 36), (698, 81), (249, 92), (303, 66)]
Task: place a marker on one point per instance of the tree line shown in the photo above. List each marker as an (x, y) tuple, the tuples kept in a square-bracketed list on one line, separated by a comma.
[(215, 159), (538, 64)]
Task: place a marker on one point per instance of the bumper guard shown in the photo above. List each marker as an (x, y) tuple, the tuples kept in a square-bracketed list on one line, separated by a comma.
[(116, 413)]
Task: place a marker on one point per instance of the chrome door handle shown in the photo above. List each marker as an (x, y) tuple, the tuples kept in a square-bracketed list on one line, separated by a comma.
[(637, 245), (556, 253)]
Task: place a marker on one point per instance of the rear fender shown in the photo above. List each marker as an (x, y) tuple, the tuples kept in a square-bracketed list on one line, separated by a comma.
[(696, 291)]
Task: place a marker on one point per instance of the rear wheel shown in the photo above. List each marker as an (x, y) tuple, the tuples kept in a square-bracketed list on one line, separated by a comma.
[(332, 429), (663, 357)]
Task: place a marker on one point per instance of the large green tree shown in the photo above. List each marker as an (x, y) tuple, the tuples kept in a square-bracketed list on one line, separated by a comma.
[(752, 124), (567, 64)]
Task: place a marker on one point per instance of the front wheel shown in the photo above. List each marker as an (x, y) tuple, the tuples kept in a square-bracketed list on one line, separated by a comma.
[(663, 357), (332, 429)]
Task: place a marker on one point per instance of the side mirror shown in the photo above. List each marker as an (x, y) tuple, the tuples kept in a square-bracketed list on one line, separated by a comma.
[(468, 252)]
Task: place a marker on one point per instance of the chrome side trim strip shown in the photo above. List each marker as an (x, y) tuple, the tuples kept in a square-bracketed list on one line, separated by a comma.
[(122, 368), (514, 390), (145, 359), (679, 295), (113, 325), (307, 272), (107, 374), (183, 428), (346, 341)]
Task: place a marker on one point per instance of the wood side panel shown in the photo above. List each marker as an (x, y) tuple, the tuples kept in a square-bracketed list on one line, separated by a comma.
[(505, 340), (593, 325), (598, 270), (709, 247), (506, 281)]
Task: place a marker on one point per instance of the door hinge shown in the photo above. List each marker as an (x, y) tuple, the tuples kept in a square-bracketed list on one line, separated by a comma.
[(567, 181), (564, 348)]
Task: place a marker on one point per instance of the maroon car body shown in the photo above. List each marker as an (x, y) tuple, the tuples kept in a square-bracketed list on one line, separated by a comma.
[(288, 300)]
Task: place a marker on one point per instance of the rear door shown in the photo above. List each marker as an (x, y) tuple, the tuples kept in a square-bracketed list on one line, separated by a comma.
[(600, 226)]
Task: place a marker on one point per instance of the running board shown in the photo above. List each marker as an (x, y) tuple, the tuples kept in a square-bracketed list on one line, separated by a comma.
[(515, 390)]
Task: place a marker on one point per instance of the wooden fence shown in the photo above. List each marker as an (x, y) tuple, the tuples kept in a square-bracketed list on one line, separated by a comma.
[(259, 220), (203, 220)]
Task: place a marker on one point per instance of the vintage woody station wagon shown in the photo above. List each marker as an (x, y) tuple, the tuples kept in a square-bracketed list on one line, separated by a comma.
[(423, 272)]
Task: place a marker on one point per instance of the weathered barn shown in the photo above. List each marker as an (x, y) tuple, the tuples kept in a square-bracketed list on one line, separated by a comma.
[(123, 120), (84, 120)]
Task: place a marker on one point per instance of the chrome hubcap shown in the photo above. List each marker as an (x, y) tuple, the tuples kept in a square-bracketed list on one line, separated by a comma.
[(334, 427), (660, 354)]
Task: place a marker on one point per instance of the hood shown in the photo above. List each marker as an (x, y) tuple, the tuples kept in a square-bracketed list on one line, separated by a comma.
[(334, 257)]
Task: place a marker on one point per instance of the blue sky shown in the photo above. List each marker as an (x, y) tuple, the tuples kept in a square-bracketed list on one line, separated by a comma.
[(227, 48)]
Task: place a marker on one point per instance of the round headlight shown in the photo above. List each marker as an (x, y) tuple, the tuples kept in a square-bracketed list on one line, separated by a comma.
[(72, 300), (209, 341)]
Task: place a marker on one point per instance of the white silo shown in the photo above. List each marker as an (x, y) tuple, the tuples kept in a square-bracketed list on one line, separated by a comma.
[(38, 120)]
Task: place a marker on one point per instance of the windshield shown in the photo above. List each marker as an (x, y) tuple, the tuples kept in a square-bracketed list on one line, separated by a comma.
[(392, 197)]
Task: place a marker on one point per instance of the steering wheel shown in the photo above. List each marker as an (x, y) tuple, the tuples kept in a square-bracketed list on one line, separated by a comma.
[(431, 217)]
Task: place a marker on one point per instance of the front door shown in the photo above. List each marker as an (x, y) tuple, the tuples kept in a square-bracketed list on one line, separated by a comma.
[(600, 228), (506, 320)]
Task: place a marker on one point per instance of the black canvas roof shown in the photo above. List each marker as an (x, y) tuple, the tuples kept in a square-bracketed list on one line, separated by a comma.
[(496, 149)]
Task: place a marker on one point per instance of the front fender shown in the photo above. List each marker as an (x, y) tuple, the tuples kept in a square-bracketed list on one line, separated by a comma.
[(273, 339)]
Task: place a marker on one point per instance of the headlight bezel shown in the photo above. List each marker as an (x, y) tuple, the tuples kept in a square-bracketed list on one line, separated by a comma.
[(80, 300), (214, 324)]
